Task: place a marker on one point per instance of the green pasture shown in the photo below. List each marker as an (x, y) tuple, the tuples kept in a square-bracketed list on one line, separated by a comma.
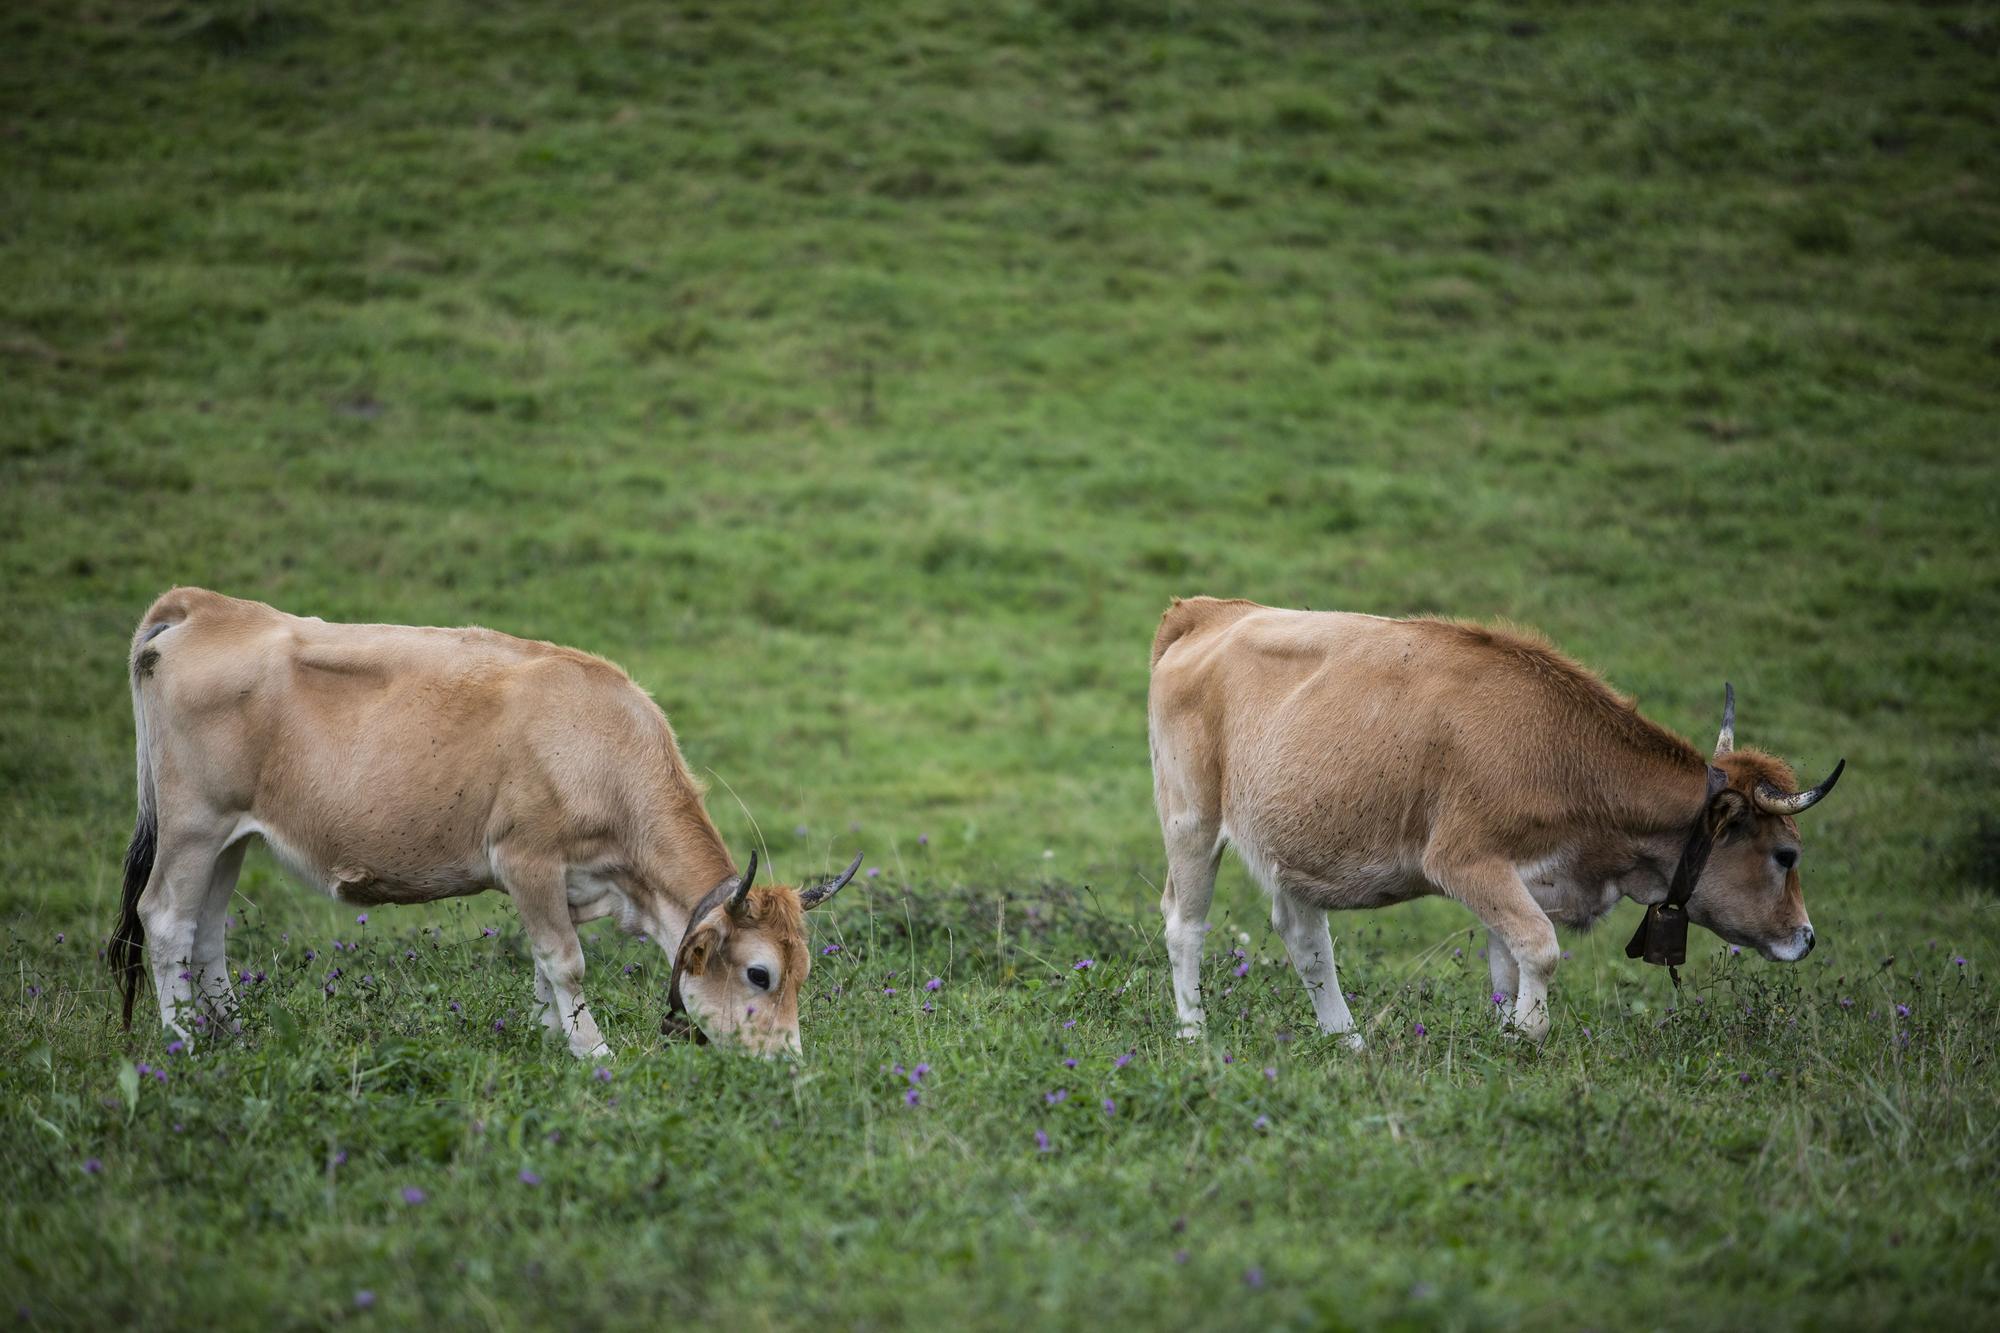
[(864, 378)]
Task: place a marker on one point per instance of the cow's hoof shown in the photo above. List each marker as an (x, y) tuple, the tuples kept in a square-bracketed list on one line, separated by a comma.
[(1352, 1041), (1190, 1032)]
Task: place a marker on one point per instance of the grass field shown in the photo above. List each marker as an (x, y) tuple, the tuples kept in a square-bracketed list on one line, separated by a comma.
[(864, 379)]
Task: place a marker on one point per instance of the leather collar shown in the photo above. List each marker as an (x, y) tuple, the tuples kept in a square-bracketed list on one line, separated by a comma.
[(1662, 935)]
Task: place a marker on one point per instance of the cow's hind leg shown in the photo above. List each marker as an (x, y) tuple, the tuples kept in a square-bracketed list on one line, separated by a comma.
[(1307, 940), (1495, 893), (1193, 852), (211, 967), (539, 895), (172, 907)]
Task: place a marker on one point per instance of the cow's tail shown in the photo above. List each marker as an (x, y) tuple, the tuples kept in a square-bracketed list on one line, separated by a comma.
[(128, 939)]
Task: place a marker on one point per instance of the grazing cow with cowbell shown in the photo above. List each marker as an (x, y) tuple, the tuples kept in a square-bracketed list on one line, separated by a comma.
[(1357, 761), (398, 764)]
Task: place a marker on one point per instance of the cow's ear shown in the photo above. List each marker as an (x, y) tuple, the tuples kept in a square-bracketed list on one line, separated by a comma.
[(1727, 811), (696, 952)]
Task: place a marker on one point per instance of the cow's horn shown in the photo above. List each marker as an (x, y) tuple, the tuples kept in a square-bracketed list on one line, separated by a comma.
[(1725, 740), (819, 893), (1774, 802), (742, 889)]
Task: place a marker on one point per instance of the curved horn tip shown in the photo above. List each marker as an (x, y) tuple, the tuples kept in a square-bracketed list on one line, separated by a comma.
[(819, 893), (1773, 801), (1725, 740), (742, 889)]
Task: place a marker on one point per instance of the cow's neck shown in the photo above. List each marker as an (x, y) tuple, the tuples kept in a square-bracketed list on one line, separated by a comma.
[(1659, 833), (686, 859)]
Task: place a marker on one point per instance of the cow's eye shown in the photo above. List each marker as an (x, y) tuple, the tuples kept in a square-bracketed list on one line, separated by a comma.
[(760, 977), (1787, 857)]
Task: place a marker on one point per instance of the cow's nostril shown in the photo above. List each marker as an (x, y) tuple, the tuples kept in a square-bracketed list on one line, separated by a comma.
[(1810, 941)]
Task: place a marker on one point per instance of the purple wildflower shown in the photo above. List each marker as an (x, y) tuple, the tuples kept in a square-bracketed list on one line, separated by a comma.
[(918, 1073), (91, 1166), (1110, 1107), (630, 968), (888, 990), (1067, 1026), (1735, 949), (1253, 1278), (1122, 1061), (361, 920), (1422, 1031), (798, 830), (829, 951), (529, 1177), (874, 872), (1041, 1140), (413, 1196), (1270, 1074), (1959, 960), (1228, 1059), (1902, 1011), (485, 931), (1059, 1095), (1743, 1077), (340, 1158), (929, 1008), (1499, 997), (59, 937), (499, 1025), (1083, 965), (1243, 968), (176, 1046), (601, 1074), (453, 1006), (935, 983), (910, 1097), (923, 840), (364, 1299)]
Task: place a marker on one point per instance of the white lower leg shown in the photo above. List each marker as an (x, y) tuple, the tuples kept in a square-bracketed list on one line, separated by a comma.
[(1184, 940), (1505, 974), (566, 985), (545, 1003), (1310, 945), (170, 943)]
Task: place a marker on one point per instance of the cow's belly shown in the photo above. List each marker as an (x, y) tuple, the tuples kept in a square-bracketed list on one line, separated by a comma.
[(1321, 875), (369, 876)]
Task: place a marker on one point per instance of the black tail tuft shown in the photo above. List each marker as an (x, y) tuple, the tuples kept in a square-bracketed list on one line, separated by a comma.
[(128, 940)]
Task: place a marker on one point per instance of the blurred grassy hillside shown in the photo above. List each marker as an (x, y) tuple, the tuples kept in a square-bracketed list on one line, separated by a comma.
[(864, 379)]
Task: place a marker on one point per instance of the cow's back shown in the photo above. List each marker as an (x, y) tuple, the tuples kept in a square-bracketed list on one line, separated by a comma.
[(1338, 744), (387, 757)]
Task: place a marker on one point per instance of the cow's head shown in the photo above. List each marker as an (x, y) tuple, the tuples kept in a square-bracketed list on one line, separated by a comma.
[(742, 960), (1749, 893)]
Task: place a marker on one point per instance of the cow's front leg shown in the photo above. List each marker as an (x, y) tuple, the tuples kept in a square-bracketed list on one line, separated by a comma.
[(545, 1002), (1495, 893), (1307, 940), (538, 893), (1506, 975)]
